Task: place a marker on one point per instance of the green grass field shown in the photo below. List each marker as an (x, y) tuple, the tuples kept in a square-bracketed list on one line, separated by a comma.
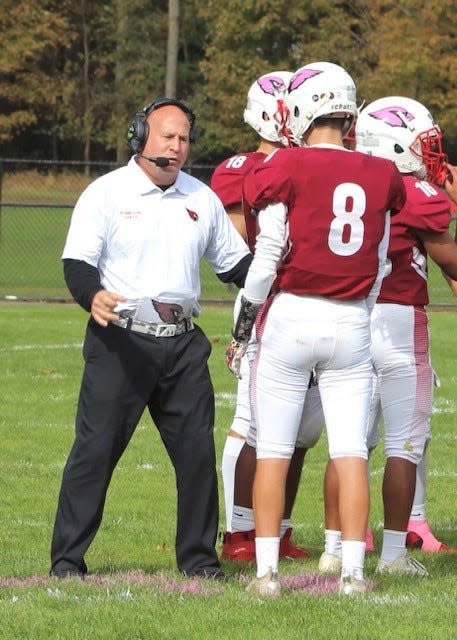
[(134, 591)]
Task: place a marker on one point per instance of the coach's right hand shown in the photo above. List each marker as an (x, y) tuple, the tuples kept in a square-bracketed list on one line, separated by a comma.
[(102, 306)]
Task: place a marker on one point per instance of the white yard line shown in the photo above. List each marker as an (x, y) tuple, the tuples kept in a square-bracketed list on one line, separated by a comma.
[(40, 347)]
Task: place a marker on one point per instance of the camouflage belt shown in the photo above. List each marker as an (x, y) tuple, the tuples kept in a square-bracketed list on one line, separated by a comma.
[(164, 330)]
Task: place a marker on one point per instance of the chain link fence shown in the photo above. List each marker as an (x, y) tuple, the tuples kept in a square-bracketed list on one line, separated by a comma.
[(36, 201)]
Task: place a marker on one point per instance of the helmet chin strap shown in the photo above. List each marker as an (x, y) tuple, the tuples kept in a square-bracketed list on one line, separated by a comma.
[(325, 97), (349, 121), (421, 173)]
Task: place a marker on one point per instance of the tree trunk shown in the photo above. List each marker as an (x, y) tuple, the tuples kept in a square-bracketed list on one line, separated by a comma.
[(87, 117), (122, 152), (172, 48)]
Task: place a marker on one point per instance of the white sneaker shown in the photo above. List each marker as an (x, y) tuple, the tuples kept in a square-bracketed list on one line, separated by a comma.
[(404, 565), (351, 586), (329, 563), (268, 585)]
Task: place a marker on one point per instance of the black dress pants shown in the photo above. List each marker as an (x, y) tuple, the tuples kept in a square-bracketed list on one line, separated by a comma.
[(124, 373)]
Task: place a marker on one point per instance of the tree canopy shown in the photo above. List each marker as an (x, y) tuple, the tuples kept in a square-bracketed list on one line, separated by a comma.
[(74, 73)]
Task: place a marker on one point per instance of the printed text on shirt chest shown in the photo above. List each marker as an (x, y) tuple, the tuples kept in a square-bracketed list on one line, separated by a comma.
[(189, 213)]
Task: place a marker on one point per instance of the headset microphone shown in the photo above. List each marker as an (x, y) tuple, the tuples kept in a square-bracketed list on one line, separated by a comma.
[(160, 161)]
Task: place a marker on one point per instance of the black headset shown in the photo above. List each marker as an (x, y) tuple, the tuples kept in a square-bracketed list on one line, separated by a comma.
[(138, 131)]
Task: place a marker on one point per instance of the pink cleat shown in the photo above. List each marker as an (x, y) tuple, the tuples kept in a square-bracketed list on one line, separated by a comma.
[(421, 537), (369, 541)]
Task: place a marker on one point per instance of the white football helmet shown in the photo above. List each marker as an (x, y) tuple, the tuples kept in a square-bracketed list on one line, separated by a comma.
[(402, 130), (265, 110), (319, 89)]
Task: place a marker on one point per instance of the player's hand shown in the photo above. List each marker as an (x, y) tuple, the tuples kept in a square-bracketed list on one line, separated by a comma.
[(102, 306), (233, 355), (450, 183)]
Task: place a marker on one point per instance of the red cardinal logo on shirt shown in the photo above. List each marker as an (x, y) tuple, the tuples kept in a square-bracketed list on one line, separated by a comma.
[(192, 214)]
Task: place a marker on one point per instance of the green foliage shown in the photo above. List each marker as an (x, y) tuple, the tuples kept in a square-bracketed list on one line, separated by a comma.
[(36, 38), (416, 47), (73, 74), (237, 52)]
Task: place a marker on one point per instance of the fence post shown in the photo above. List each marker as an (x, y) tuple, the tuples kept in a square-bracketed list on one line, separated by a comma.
[(1, 185)]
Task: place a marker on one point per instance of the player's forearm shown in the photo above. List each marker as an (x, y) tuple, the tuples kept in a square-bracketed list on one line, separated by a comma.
[(269, 247)]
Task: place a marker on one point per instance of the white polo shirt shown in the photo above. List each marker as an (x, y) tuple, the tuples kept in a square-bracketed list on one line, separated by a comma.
[(147, 243)]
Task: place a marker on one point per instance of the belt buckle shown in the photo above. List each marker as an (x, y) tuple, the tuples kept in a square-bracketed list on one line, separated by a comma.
[(165, 330)]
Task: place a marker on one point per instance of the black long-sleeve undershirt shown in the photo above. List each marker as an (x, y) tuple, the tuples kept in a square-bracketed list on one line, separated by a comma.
[(238, 274), (83, 280)]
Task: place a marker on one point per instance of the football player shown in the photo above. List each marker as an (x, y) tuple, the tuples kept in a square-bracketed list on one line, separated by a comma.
[(402, 130), (266, 113), (323, 213)]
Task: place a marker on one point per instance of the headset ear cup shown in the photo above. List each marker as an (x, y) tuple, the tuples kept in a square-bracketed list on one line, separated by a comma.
[(137, 133), (194, 133)]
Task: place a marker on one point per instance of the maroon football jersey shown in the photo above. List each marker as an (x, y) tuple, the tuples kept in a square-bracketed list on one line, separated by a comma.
[(227, 182), (337, 202), (427, 209)]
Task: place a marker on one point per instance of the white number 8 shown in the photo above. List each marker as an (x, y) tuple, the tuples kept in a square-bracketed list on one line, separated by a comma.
[(346, 230)]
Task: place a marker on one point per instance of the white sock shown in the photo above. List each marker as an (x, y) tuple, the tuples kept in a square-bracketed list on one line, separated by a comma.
[(230, 455), (333, 542), (242, 519), (266, 555), (418, 508), (353, 558), (285, 524), (393, 544)]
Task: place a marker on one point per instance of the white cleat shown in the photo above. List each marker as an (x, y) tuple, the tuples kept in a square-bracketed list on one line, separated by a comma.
[(330, 564), (268, 585), (351, 586), (403, 565)]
